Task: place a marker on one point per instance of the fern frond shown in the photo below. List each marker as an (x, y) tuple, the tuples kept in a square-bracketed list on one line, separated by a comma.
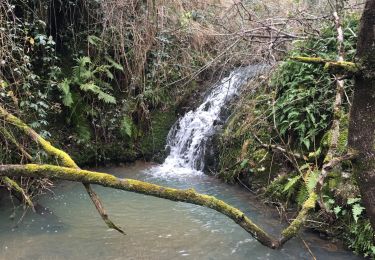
[(64, 87), (114, 64), (312, 180), (127, 126), (291, 183), (109, 99), (95, 89), (302, 195), (83, 61)]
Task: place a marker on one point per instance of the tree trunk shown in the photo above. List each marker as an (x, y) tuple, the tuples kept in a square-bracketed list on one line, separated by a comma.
[(362, 115)]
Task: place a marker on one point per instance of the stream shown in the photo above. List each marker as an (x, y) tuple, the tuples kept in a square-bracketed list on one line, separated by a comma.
[(70, 228), (156, 228)]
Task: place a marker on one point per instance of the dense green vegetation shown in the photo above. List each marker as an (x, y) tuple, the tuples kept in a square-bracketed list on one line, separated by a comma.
[(294, 109), (90, 86)]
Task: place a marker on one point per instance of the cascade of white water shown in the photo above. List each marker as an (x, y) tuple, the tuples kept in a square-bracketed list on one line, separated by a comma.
[(188, 137)]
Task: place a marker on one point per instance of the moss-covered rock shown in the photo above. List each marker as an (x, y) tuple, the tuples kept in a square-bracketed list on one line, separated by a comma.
[(152, 145)]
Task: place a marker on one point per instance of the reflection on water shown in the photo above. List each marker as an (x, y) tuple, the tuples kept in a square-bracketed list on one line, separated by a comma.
[(156, 228)]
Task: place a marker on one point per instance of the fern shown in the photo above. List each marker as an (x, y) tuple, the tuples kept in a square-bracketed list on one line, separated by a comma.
[(87, 78), (91, 87), (302, 195), (357, 211), (85, 85), (291, 183), (94, 40), (67, 95), (114, 64), (312, 180), (127, 126)]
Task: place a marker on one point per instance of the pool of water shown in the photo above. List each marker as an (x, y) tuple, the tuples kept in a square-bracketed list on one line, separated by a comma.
[(156, 228)]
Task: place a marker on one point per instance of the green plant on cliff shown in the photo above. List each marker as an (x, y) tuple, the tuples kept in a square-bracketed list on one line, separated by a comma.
[(87, 79), (304, 93), (301, 100), (303, 114), (80, 92)]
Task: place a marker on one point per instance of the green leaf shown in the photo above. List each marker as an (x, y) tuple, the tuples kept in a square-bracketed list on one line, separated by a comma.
[(244, 163), (306, 142), (92, 87), (114, 64), (83, 61), (353, 200), (127, 126), (291, 183), (302, 195), (337, 210), (67, 95), (312, 180), (106, 98), (109, 74), (357, 210), (94, 40)]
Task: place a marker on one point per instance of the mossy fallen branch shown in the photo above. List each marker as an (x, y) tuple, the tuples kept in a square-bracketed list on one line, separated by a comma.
[(13, 185), (61, 157), (107, 180), (295, 226), (9, 137), (73, 173), (332, 66)]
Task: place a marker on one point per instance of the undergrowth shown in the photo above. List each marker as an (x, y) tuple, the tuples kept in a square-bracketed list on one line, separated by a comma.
[(294, 111)]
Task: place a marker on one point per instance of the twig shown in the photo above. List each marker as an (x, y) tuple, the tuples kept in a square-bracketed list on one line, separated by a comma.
[(277, 148), (307, 247)]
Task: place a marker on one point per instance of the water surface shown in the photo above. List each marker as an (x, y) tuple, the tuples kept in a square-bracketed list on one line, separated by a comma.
[(156, 228)]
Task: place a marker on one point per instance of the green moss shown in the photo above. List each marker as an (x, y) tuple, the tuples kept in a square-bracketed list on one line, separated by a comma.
[(11, 184), (259, 154), (153, 143), (332, 66), (342, 144), (317, 60), (297, 223)]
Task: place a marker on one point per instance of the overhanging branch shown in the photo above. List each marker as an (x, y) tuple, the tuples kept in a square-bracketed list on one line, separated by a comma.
[(62, 157), (332, 66), (107, 180)]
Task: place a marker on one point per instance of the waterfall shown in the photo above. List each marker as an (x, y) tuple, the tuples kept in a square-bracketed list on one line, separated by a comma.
[(188, 137)]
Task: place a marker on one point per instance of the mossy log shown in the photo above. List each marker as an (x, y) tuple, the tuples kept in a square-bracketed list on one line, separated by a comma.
[(73, 173), (62, 157), (332, 66), (294, 227), (107, 180), (9, 137), (13, 186)]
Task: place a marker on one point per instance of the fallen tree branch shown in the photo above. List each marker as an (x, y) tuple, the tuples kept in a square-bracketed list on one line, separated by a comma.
[(107, 180), (73, 173), (297, 223), (333, 66), (13, 185), (62, 157), (8, 136)]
